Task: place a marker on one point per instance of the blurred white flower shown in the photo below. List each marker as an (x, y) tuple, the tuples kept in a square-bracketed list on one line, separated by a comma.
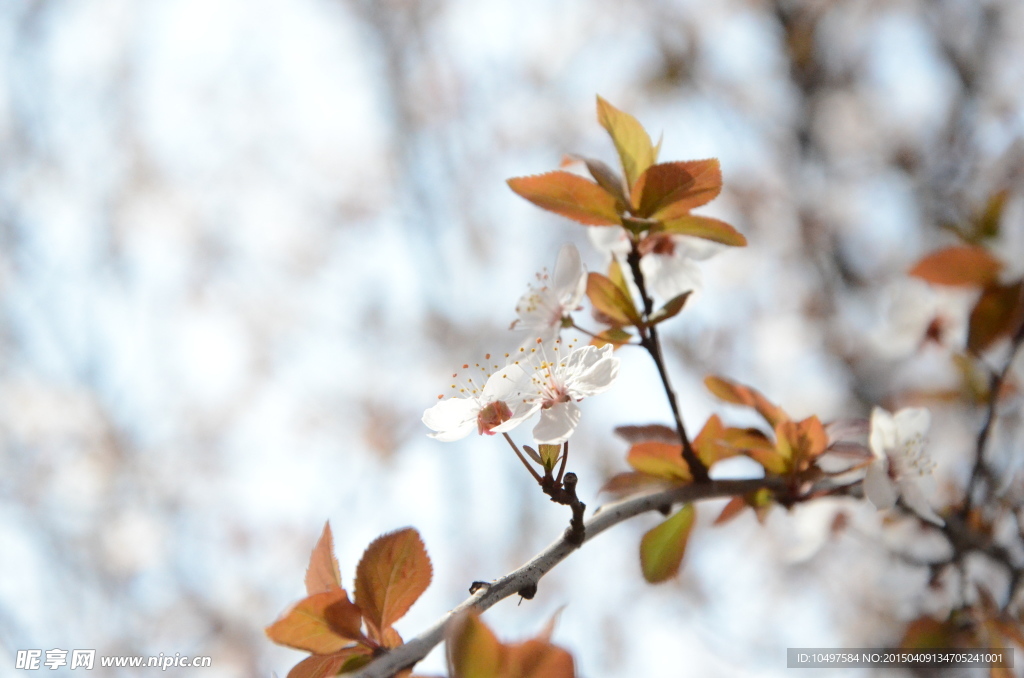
[(499, 406), (900, 466), (542, 309), (559, 384)]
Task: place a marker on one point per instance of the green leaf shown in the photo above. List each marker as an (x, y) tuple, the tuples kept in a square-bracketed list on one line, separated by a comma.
[(715, 230), (662, 548), (549, 455), (570, 195), (608, 299), (630, 138)]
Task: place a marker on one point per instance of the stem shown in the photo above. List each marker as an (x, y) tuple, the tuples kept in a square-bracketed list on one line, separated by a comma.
[(529, 574), (649, 340), (995, 387), (519, 454)]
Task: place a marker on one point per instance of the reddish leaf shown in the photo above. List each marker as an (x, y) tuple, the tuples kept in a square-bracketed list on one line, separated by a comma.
[(570, 195), (998, 313), (537, 659), (671, 308), (633, 482), (662, 548), (306, 627), (731, 510), (660, 460), (319, 666), (738, 394), (393, 572), (608, 299), (323, 575), (758, 447), (959, 266), (630, 138), (672, 189), (638, 434), (616, 275), (705, 227)]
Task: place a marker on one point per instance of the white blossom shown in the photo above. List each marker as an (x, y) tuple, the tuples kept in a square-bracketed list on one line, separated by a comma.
[(560, 383), (900, 466), (499, 406), (543, 308)]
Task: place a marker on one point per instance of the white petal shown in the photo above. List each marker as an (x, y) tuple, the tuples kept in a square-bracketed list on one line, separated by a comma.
[(505, 384), (879, 488), (452, 419), (520, 413), (670, 275), (915, 499), (597, 379), (612, 240), (568, 274), (557, 423), (911, 422), (882, 439), (692, 247)]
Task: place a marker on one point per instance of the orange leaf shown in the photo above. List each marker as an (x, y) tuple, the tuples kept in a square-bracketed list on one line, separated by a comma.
[(707, 228), (319, 666), (671, 308), (660, 460), (608, 299), (570, 195), (959, 266), (393, 572), (616, 336), (998, 313), (306, 627), (731, 510), (738, 394), (672, 189), (638, 434), (662, 548), (607, 179), (710, 442), (630, 138), (323, 575), (537, 659)]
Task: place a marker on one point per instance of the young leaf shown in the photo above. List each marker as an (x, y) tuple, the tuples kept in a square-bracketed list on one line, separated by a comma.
[(570, 195), (611, 301), (999, 312), (608, 179), (672, 189), (661, 460), (710, 443), (662, 548), (549, 455), (633, 482), (630, 138), (731, 510), (671, 308), (735, 393), (319, 666), (473, 649), (656, 432), (393, 572), (704, 227), (306, 627), (538, 658), (959, 266), (616, 336), (323, 575)]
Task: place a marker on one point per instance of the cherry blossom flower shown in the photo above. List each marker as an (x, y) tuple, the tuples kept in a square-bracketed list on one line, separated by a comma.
[(668, 261), (498, 406), (543, 310), (559, 384), (900, 466)]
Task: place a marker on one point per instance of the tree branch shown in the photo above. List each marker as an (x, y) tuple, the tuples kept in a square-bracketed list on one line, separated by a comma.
[(527, 576)]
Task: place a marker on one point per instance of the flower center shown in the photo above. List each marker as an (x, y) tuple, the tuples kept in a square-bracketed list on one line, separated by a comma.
[(911, 459), (491, 415)]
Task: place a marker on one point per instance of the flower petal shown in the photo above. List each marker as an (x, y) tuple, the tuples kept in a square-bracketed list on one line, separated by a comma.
[(914, 496), (452, 419), (878, 487), (911, 422), (557, 423), (883, 433), (568, 275)]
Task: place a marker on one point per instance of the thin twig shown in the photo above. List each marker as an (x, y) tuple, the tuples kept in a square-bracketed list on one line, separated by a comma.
[(536, 476), (527, 576), (649, 340)]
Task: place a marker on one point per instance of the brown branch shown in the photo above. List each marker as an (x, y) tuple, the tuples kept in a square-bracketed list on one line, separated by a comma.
[(526, 577)]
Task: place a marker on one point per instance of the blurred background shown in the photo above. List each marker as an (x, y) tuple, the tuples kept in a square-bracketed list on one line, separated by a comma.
[(243, 244)]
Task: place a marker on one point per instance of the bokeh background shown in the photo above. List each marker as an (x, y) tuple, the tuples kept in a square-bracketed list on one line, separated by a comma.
[(243, 244)]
